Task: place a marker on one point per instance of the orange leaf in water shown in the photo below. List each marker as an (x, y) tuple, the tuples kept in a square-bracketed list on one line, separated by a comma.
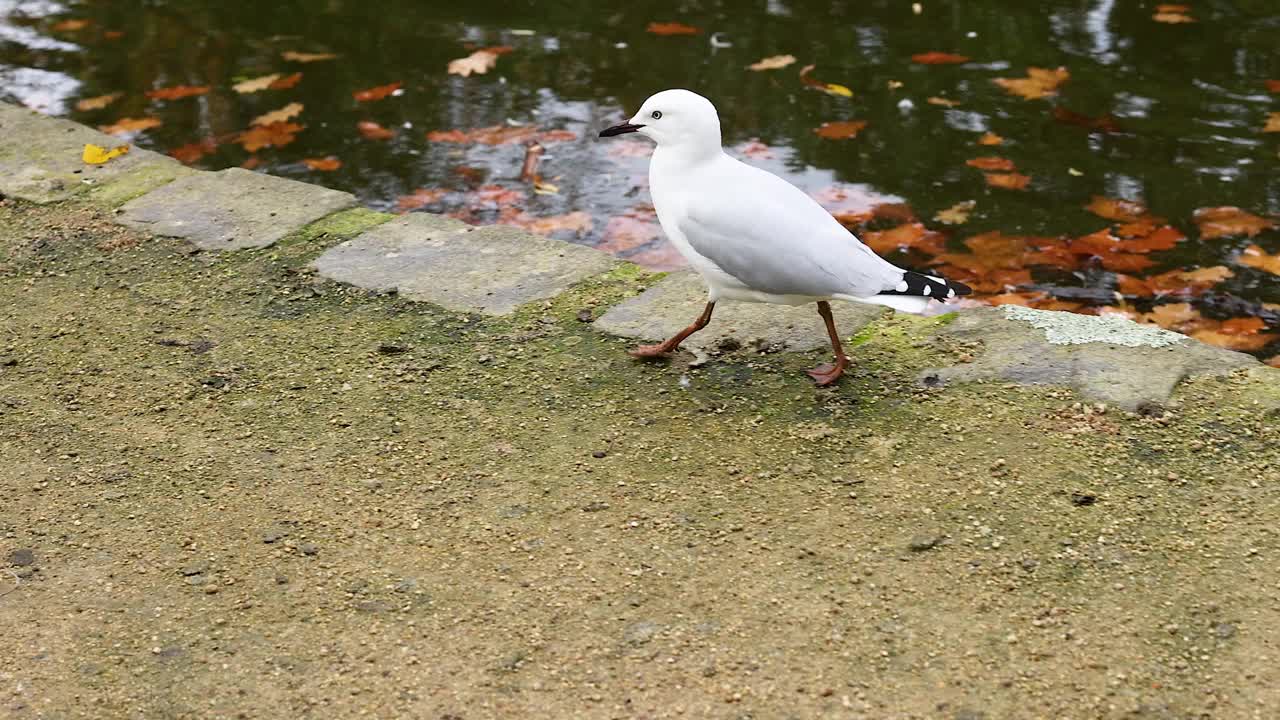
[(126, 125), (373, 131), (840, 129), (192, 152), (113, 34), (671, 28), (287, 82), (177, 92), (278, 116), (1037, 84), (938, 58), (1254, 257), (1243, 326), (1164, 238), (1228, 221), (1125, 262), (324, 164), (944, 102), (420, 198), (1273, 123), (97, 103), (71, 25), (991, 163), (990, 138), (957, 214), (477, 63), (1173, 14), (1173, 316), (1008, 181), (632, 229), (270, 135), (500, 135), (1273, 86), (1104, 124), (663, 257), (1125, 211), (1239, 343), (577, 222), (292, 56), (906, 236), (772, 63), (826, 87), (376, 93)]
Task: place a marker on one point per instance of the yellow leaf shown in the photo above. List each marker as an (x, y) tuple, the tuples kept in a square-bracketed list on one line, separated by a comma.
[(478, 62), (97, 155), (545, 188), (278, 116), (957, 214), (256, 84), (835, 89), (772, 63), (1273, 123), (944, 102), (306, 57)]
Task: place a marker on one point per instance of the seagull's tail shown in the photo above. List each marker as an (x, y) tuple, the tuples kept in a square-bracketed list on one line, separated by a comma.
[(914, 293)]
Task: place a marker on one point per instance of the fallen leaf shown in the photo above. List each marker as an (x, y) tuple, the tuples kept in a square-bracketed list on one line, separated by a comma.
[(991, 163), (257, 84), (1103, 124), (753, 149), (126, 125), (1209, 275), (478, 62), (1228, 221), (938, 58), (1243, 326), (420, 198), (671, 28), (1273, 123), (1126, 211), (545, 188), (324, 164), (71, 25), (278, 116), (373, 131), (1273, 86), (287, 82), (990, 139), (906, 236), (1255, 257), (1008, 181), (1165, 238), (500, 135), (840, 129), (957, 214), (577, 222), (112, 34), (944, 102), (829, 88), (1039, 83), (774, 62), (177, 92), (271, 135), (1239, 343), (1173, 14), (663, 257), (292, 56), (376, 93), (251, 162), (97, 103), (630, 230), (97, 155), (192, 152), (1173, 316)]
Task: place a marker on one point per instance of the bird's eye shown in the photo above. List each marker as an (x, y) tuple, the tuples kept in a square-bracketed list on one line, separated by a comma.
[(656, 114)]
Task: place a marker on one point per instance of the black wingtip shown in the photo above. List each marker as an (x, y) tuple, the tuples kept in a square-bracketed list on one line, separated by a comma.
[(916, 284)]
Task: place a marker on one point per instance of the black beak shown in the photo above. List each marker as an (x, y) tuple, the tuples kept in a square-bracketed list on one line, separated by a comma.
[(622, 129)]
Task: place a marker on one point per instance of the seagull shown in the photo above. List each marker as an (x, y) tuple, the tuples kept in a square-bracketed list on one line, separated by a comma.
[(754, 237)]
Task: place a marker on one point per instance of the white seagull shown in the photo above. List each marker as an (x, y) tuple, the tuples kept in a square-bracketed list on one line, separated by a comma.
[(755, 237)]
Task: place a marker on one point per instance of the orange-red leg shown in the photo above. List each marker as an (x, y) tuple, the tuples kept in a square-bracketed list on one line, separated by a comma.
[(662, 348), (827, 373)]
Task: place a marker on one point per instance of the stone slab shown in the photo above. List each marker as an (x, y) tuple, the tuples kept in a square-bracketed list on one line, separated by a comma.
[(491, 270), (40, 158), (668, 307), (232, 209), (1101, 358)]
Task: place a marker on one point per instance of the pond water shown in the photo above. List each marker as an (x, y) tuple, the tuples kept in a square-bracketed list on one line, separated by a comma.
[(1167, 107)]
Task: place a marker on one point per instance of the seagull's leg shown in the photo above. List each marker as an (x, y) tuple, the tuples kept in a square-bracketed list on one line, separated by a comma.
[(826, 374), (662, 348)]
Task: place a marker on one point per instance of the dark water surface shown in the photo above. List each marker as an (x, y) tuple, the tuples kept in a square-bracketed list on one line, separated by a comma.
[(1188, 103)]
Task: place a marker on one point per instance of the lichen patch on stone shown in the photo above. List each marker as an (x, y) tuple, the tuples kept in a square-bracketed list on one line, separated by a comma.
[(1071, 329)]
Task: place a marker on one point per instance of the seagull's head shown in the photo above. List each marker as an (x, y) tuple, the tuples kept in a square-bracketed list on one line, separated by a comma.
[(674, 118)]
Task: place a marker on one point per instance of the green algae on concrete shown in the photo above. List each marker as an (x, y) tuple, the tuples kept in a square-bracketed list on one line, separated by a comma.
[(491, 270), (232, 209), (41, 159)]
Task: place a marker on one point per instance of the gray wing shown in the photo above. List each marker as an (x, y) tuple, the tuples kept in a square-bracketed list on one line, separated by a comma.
[(772, 237)]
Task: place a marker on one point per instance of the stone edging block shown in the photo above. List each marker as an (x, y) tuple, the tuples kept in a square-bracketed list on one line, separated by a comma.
[(492, 269)]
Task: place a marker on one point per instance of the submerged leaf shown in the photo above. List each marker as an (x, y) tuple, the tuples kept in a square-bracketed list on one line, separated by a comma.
[(478, 63), (192, 152), (957, 214), (97, 103), (270, 135), (991, 163), (278, 116), (1008, 181), (772, 63), (829, 88), (990, 138), (376, 93), (1255, 257), (125, 125), (257, 84), (840, 129), (420, 198), (325, 164), (373, 131), (306, 57), (1273, 123), (1228, 221), (938, 58), (1039, 83), (671, 28), (178, 92)]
